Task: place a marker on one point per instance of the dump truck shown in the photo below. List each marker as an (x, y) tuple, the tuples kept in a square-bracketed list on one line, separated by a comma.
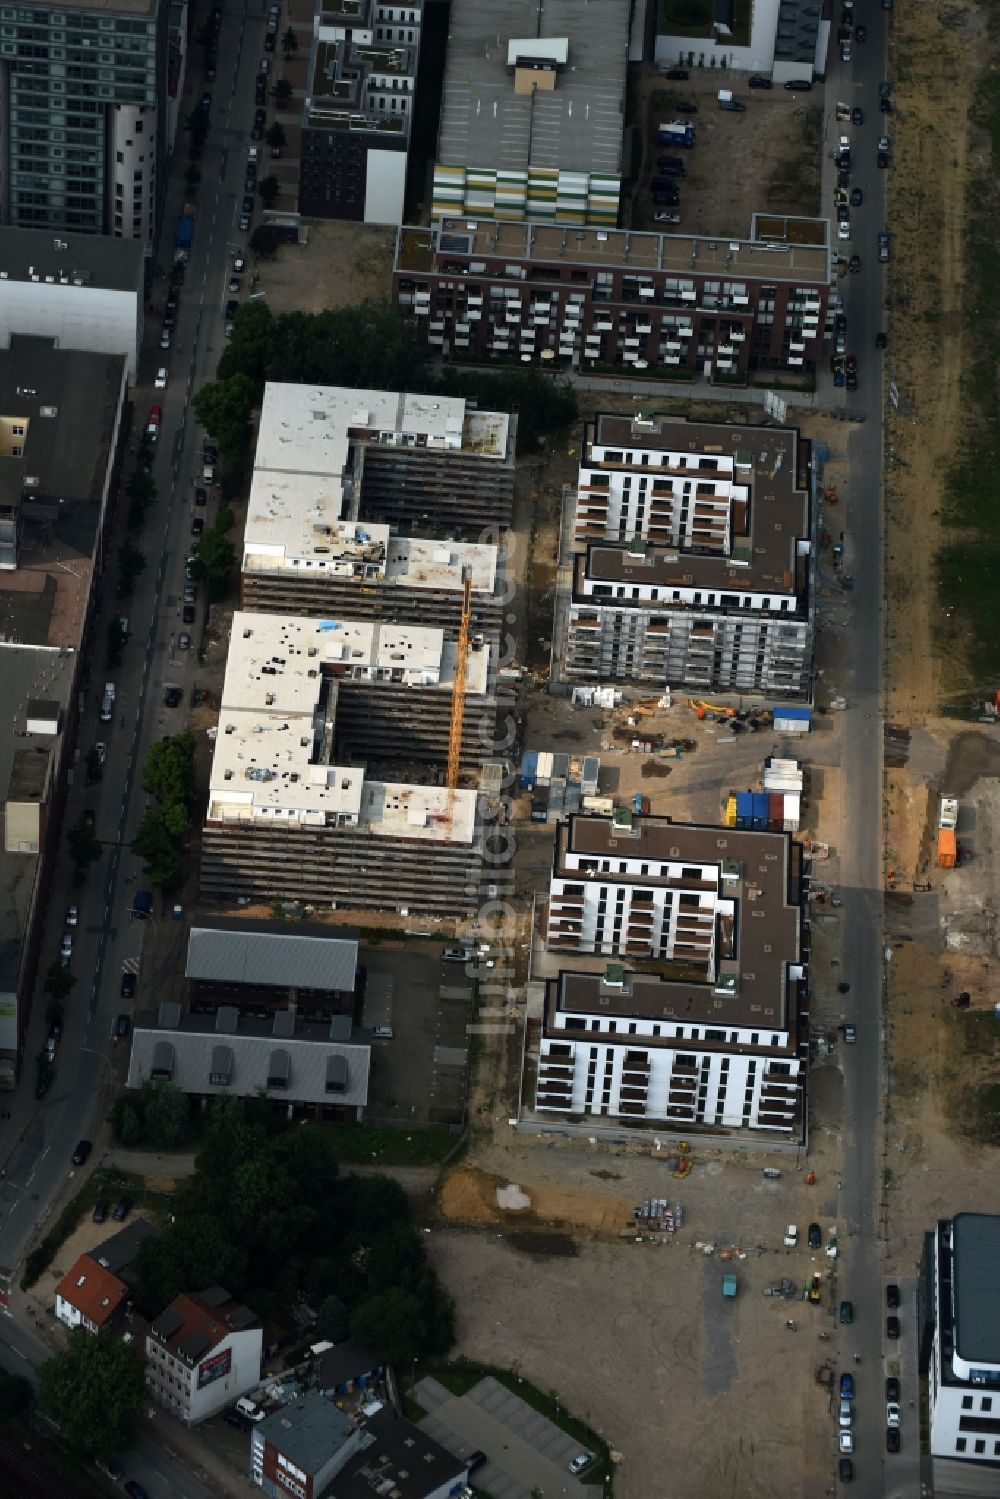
[(948, 816), (947, 855)]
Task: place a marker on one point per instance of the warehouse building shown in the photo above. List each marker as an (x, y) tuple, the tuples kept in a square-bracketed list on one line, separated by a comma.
[(263, 966), (594, 298), (425, 464), (693, 1016), (958, 1307), (288, 817), (696, 563), (532, 112)]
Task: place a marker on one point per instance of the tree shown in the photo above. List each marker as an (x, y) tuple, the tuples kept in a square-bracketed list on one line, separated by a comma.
[(282, 92), (166, 1114), (96, 1390), (223, 407), (168, 773), (332, 1320), (140, 485), (128, 1125), (269, 188), (275, 135), (131, 566), (16, 1395), (393, 1321), (250, 351), (156, 842), (289, 42), (95, 770), (264, 242), (114, 643), (84, 848), (58, 981), (217, 558)]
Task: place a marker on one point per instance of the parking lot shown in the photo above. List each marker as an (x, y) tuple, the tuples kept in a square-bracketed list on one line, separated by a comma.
[(418, 1074), (767, 157)]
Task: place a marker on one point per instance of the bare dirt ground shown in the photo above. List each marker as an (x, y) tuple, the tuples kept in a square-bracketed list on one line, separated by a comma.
[(341, 264), (725, 186), (943, 1061)]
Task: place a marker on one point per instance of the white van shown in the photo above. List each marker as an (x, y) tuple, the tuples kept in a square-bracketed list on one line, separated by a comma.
[(383, 1033)]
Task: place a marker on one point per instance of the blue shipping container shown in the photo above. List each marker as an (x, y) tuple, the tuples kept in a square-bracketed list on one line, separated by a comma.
[(529, 769)]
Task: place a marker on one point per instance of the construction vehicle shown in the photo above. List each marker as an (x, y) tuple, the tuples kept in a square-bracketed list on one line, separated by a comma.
[(729, 1284), (701, 708), (458, 694)]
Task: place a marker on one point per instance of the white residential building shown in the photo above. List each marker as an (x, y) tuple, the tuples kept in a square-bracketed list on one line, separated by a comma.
[(202, 1353), (958, 1304), (697, 1019), (693, 566)]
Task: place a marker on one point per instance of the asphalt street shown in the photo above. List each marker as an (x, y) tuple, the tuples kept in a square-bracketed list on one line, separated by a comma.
[(862, 1278)]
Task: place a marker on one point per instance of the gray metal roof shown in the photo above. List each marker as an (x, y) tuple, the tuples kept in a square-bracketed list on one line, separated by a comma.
[(93, 260), (975, 1257), (288, 960), (308, 1432), (255, 1059), (577, 126)]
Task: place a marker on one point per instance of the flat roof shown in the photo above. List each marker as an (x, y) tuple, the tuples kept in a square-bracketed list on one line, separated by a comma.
[(976, 1299), (396, 1461), (64, 259), (268, 763), (244, 1054), (308, 429), (231, 951), (103, 7), (757, 939), (292, 526), (684, 255), (26, 673), (276, 661), (761, 471), (576, 125), (309, 1431)]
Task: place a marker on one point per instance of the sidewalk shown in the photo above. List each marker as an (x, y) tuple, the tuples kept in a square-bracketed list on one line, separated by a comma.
[(196, 1453)]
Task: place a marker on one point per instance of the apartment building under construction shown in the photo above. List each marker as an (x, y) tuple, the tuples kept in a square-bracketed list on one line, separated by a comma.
[(308, 705), (693, 558)]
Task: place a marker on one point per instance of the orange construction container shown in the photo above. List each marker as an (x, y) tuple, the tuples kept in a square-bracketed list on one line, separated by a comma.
[(947, 848)]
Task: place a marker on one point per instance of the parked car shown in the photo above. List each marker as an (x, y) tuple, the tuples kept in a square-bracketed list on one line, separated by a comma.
[(679, 75), (892, 1439), (259, 117), (67, 943), (845, 1441), (580, 1463), (82, 1151), (197, 525), (756, 81), (237, 1419), (686, 107), (171, 698), (244, 222), (184, 641), (850, 1034), (111, 1468), (664, 216), (883, 246), (880, 339), (89, 818), (135, 1490), (857, 116), (892, 1296), (854, 264), (815, 1236), (845, 1470), (190, 593), (234, 283), (476, 1460), (269, 39), (892, 1388), (122, 1209), (861, 33), (200, 495), (160, 382), (127, 986), (847, 1312), (843, 228), (239, 264), (100, 1213), (165, 336), (205, 103), (72, 915), (857, 197), (187, 614), (799, 85), (892, 1413), (892, 1327), (845, 1415), (458, 955), (883, 151), (122, 1027), (847, 1387)]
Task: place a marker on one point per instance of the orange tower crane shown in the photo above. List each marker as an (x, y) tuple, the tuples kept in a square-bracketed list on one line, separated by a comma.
[(458, 693)]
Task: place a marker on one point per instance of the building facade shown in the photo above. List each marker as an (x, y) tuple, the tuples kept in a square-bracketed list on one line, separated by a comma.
[(202, 1353), (260, 967), (786, 39), (83, 129), (959, 1315), (89, 1296), (693, 558), (358, 112), (587, 298), (532, 111), (300, 1447), (696, 1017)]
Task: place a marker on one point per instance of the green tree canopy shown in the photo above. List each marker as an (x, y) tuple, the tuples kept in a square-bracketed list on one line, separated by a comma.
[(332, 1320), (84, 848), (217, 558), (223, 408), (289, 42), (166, 1114), (269, 187), (156, 842), (168, 773), (95, 1390), (264, 242), (282, 92), (275, 135), (58, 981), (394, 1322), (131, 566)]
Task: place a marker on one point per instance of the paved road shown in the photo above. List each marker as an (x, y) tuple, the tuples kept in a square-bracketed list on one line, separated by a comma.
[(862, 1278)]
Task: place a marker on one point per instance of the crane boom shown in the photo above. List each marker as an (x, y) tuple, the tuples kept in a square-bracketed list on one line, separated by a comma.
[(458, 693)]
